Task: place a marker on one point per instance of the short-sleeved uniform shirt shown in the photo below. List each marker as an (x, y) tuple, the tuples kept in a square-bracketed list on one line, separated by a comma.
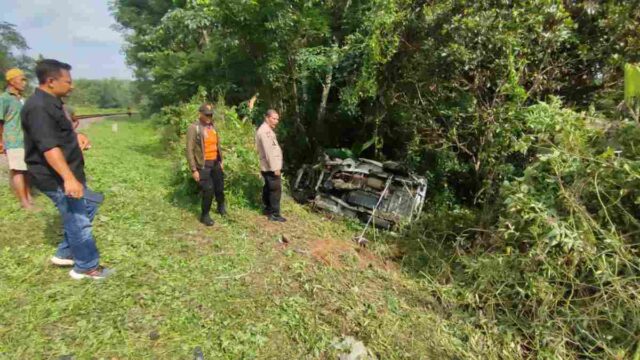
[(10, 106), (45, 127), (269, 150)]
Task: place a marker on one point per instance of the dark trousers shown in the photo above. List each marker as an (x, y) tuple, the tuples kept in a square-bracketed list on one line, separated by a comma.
[(211, 183), (271, 192)]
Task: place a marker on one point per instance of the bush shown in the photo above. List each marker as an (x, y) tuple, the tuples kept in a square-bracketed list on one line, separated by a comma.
[(237, 143), (559, 272)]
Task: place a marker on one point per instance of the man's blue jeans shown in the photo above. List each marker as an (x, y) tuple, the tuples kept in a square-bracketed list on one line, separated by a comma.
[(78, 242)]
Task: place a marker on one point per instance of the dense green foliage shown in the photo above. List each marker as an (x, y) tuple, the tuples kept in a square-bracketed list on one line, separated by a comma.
[(513, 110), (12, 48), (237, 138), (559, 264), (103, 93)]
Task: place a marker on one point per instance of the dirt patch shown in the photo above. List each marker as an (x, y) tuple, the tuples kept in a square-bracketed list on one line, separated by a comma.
[(369, 259), (331, 252), (268, 227), (198, 239), (339, 253)]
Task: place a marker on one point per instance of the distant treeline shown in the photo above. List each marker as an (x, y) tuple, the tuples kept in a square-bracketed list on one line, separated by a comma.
[(103, 93)]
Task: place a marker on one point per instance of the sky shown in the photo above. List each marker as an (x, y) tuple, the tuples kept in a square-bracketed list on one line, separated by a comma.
[(78, 32)]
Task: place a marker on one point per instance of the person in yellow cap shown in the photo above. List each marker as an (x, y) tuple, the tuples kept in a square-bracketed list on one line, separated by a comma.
[(13, 140)]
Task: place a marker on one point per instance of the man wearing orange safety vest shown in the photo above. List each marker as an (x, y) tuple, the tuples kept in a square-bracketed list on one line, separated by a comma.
[(205, 161)]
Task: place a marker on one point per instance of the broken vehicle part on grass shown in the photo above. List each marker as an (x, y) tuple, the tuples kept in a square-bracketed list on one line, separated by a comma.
[(356, 188)]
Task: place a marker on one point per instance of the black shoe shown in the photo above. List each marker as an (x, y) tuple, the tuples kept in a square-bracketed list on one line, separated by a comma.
[(266, 212), (222, 210), (277, 218), (207, 220)]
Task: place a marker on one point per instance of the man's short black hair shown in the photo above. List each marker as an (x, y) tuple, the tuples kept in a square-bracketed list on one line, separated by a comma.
[(50, 68)]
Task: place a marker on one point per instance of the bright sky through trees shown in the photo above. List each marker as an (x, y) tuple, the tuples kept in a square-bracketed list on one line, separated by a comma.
[(77, 32)]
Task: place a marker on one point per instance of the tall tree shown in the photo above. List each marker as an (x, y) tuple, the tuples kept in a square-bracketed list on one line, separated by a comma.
[(12, 48)]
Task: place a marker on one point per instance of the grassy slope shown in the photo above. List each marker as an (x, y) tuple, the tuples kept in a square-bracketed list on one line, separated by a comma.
[(233, 290)]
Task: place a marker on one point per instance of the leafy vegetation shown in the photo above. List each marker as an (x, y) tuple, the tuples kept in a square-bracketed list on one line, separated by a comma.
[(559, 266), (12, 48), (103, 93), (514, 111)]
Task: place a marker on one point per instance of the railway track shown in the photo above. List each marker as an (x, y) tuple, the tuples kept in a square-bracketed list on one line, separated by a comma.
[(81, 117)]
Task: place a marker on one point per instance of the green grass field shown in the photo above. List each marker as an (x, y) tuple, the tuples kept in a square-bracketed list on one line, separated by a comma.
[(233, 290)]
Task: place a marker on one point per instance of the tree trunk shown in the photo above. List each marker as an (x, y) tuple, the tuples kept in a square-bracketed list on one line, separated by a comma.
[(305, 92), (296, 106), (326, 87), (250, 105), (294, 90), (205, 38)]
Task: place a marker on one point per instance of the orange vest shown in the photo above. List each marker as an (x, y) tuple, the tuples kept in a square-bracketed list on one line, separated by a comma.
[(210, 143)]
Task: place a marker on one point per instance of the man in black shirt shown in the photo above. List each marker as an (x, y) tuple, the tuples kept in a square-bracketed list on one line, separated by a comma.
[(56, 167)]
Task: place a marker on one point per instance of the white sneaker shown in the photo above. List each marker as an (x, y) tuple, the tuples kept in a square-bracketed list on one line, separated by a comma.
[(98, 273), (62, 261)]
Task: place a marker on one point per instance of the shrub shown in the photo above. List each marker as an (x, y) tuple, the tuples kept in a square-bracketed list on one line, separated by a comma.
[(240, 159), (560, 270)]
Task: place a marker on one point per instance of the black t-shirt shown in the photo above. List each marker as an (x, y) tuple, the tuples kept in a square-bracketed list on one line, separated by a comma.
[(45, 127)]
